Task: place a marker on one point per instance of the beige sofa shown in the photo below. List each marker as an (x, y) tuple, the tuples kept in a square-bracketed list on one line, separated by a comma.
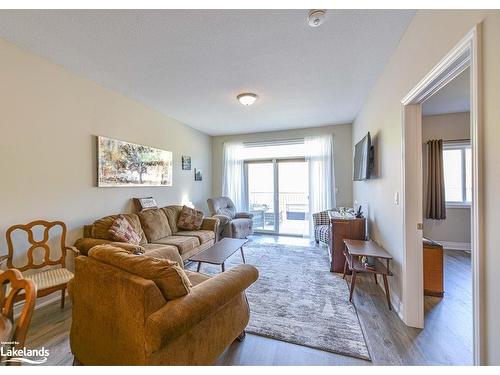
[(123, 318), (160, 236)]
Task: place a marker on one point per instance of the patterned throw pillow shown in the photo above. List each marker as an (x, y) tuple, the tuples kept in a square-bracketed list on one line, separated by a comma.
[(121, 230), (190, 219)]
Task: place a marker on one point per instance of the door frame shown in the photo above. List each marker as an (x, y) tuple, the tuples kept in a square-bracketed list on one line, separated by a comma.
[(467, 53)]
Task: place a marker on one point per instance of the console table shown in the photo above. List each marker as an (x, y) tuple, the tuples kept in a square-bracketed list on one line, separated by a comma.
[(340, 229), (353, 252)]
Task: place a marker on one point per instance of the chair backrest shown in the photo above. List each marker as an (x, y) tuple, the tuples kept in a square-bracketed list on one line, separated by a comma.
[(17, 284), (222, 206), (321, 218), (34, 244)]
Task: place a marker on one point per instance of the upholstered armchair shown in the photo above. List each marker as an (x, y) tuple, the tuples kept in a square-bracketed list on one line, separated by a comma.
[(232, 223), (139, 310), (321, 221)]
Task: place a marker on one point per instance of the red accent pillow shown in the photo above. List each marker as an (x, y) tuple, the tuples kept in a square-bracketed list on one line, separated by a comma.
[(190, 219), (121, 230)]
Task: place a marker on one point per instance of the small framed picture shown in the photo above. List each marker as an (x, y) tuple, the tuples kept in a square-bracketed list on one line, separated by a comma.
[(186, 163), (198, 175), (146, 203)]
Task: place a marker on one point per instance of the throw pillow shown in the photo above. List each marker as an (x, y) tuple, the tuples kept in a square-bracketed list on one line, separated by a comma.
[(168, 276), (121, 230), (190, 219)]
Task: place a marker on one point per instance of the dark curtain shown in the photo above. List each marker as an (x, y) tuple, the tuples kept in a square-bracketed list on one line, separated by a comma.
[(436, 201)]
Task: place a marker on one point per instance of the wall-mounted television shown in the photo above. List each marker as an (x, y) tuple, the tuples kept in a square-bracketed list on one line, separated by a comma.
[(363, 159)]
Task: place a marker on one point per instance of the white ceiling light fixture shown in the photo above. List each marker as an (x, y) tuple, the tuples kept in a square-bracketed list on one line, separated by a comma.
[(316, 17), (247, 98)]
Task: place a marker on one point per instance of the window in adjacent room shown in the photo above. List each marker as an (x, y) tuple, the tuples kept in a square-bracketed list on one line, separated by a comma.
[(457, 165)]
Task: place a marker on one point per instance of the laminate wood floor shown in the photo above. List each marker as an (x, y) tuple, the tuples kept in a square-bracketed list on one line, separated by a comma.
[(446, 340)]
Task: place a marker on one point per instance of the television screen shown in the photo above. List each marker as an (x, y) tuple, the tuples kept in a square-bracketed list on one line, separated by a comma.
[(362, 159)]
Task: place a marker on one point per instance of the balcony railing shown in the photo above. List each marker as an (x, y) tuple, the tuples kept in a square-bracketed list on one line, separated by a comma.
[(292, 207)]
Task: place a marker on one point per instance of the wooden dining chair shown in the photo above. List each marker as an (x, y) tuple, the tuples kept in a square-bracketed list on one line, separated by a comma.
[(51, 279), (8, 330)]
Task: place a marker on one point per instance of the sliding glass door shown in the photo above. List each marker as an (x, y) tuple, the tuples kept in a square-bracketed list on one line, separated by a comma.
[(293, 193), (277, 192), (261, 195)]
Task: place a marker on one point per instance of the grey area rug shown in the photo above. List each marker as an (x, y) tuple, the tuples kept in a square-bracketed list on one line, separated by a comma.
[(297, 299)]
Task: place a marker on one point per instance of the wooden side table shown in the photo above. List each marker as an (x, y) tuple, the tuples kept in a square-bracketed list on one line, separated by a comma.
[(354, 250)]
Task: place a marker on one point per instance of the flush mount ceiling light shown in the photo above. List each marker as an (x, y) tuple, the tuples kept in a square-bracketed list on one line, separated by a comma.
[(316, 17), (247, 98)]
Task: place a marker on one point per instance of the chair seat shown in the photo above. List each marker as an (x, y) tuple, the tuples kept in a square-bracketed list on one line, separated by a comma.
[(48, 279)]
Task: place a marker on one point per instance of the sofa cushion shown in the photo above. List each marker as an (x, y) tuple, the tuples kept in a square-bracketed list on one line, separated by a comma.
[(167, 275), (155, 224), (202, 235), (100, 228), (189, 219), (183, 243), (162, 251), (172, 213), (121, 230)]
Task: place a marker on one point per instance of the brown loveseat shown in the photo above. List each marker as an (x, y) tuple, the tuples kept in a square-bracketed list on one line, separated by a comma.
[(160, 236), (121, 318)]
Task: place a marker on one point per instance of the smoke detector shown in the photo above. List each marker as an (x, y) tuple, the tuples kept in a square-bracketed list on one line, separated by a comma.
[(316, 17)]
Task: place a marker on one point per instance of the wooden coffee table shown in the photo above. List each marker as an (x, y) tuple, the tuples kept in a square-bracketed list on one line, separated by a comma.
[(219, 252)]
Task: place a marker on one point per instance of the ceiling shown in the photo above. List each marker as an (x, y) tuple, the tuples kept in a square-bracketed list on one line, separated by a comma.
[(452, 98), (191, 64)]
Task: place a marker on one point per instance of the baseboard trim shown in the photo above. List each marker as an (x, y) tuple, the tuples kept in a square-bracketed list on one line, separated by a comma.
[(462, 246), (396, 304)]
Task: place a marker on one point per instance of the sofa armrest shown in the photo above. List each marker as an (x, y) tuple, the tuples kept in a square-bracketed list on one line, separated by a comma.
[(223, 219), (243, 215), (83, 245), (205, 299), (210, 223)]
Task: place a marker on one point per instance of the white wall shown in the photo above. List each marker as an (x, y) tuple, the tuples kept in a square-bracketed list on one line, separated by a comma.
[(48, 121), (427, 40), (342, 154), (457, 225)]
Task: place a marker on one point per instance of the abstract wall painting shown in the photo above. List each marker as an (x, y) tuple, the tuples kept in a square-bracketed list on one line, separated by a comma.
[(125, 164)]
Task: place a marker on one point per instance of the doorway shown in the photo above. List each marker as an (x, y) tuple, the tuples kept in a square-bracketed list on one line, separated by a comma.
[(278, 196), (447, 195), (465, 55)]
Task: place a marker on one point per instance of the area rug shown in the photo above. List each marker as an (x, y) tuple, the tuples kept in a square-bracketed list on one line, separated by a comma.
[(297, 299)]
